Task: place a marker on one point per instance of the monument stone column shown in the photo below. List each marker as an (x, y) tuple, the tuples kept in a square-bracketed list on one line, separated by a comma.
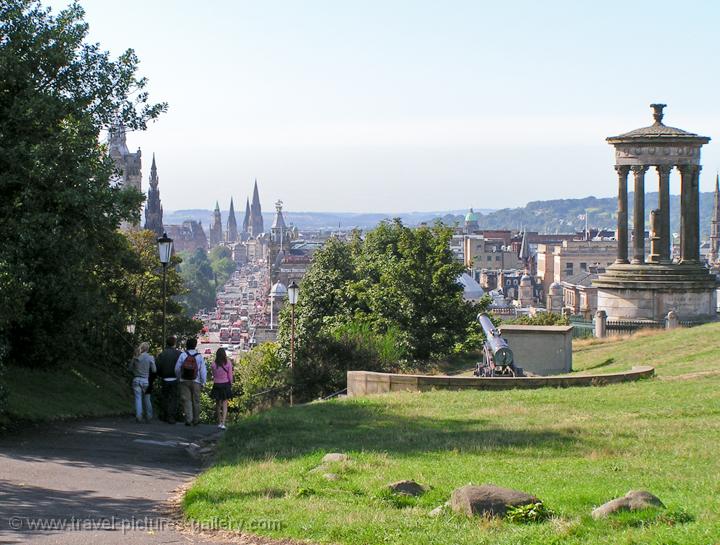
[(639, 215), (689, 224), (622, 217), (695, 213), (664, 206)]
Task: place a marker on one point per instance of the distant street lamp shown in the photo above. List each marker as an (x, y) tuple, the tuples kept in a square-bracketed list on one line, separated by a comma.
[(165, 244), (293, 292)]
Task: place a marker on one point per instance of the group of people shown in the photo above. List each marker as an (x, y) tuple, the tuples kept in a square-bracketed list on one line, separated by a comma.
[(182, 374)]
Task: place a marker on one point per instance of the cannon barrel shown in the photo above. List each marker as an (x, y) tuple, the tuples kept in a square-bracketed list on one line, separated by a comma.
[(502, 355)]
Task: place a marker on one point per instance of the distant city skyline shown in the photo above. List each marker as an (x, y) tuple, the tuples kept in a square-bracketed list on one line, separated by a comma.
[(408, 105)]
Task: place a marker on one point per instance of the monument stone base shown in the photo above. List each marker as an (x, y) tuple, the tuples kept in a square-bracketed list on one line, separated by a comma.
[(649, 291)]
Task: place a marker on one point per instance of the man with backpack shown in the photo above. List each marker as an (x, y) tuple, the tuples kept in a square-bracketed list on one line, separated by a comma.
[(192, 375)]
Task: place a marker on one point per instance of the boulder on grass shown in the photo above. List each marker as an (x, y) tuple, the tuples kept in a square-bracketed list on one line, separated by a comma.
[(408, 488), (335, 457), (634, 500), (487, 499)]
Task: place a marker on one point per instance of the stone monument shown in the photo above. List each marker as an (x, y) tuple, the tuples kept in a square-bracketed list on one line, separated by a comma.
[(645, 288)]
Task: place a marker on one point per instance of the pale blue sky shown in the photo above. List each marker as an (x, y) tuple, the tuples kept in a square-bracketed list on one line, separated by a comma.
[(409, 105)]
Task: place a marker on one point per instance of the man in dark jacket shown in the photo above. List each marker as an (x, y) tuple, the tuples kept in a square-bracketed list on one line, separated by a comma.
[(169, 385)]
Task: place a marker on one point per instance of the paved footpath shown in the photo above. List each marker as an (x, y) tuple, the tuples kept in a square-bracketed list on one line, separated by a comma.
[(101, 472)]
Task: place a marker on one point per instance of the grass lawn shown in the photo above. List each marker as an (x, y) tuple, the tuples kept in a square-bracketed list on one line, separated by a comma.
[(574, 448), (673, 353), (39, 395)]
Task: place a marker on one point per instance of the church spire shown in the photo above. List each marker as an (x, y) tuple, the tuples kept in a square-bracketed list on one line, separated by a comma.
[(216, 226), (231, 234), (153, 207), (714, 254), (246, 219), (153, 174), (256, 219)]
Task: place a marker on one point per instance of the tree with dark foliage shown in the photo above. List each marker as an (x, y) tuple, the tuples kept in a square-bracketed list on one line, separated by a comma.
[(59, 214)]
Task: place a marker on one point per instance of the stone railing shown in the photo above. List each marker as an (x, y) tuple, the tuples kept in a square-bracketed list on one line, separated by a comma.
[(361, 383)]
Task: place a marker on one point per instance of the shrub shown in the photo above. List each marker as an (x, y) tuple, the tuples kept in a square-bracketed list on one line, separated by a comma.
[(368, 350), (261, 378), (529, 513), (542, 318)]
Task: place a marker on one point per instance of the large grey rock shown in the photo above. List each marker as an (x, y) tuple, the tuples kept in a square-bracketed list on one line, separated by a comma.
[(632, 501), (335, 457), (487, 499), (408, 488)]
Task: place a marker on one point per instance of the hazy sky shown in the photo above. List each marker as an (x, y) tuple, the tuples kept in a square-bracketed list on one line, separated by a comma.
[(397, 105)]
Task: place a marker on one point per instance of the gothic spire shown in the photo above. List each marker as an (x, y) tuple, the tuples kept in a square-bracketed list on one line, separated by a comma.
[(256, 219), (216, 226), (714, 255), (256, 196), (154, 180), (246, 219), (153, 207), (716, 200), (231, 233)]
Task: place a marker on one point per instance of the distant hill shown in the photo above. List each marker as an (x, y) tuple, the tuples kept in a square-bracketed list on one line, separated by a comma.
[(568, 215), (317, 220), (552, 216)]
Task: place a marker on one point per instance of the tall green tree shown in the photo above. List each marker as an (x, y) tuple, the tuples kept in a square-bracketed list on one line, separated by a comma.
[(222, 264), (198, 275), (394, 294), (59, 214), (139, 292)]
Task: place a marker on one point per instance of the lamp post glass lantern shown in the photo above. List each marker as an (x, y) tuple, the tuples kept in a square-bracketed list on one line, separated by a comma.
[(293, 292), (165, 244)]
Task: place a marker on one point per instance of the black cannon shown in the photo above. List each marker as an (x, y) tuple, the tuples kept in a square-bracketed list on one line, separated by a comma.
[(497, 358)]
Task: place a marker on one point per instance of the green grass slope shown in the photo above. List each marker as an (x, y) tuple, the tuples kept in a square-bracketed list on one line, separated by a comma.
[(574, 448), (39, 395), (672, 353)]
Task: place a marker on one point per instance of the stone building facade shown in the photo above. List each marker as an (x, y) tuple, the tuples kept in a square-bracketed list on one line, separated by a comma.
[(187, 237), (128, 165), (556, 263), (488, 253)]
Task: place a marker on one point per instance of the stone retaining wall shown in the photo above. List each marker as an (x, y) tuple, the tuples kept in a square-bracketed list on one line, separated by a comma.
[(366, 382)]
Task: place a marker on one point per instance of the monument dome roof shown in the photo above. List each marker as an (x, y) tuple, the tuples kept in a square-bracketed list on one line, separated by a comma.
[(657, 129), (471, 216), (278, 290)]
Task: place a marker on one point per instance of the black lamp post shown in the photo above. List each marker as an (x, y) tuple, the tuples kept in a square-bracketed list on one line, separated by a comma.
[(293, 292), (165, 244)]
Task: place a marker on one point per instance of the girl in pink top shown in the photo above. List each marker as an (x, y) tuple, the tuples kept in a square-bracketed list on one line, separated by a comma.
[(222, 372)]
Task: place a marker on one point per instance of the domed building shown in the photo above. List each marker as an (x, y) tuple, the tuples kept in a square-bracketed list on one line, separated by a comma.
[(278, 294), (471, 221)]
